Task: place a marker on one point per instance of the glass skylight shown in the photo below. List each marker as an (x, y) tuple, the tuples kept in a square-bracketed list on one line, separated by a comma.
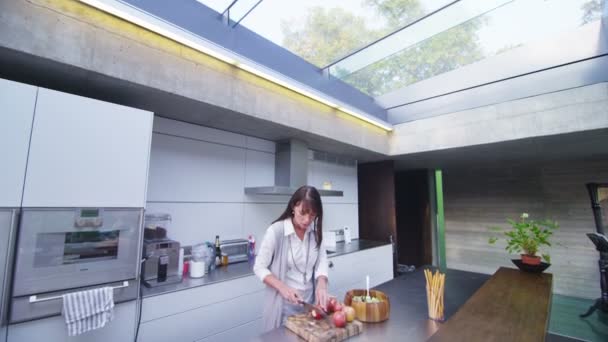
[(379, 46), (216, 5), (322, 31), (423, 56)]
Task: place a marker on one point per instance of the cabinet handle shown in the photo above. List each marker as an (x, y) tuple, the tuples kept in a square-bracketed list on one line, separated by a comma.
[(331, 264), (35, 299)]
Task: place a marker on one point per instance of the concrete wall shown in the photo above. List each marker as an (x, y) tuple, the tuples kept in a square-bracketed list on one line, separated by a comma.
[(198, 175), (566, 111), (69, 32), (485, 195)]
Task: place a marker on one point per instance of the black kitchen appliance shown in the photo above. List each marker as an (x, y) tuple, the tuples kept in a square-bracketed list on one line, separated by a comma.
[(598, 194), (161, 262)]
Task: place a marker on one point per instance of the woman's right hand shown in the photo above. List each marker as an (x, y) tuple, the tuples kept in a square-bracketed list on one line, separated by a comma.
[(290, 294)]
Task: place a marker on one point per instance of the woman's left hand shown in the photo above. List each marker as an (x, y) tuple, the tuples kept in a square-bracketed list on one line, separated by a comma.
[(321, 296)]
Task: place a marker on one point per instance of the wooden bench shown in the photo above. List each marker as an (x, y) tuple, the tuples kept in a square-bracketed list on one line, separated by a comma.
[(511, 306)]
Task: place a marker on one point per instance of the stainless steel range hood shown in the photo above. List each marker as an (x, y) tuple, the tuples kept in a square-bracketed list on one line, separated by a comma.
[(291, 171)]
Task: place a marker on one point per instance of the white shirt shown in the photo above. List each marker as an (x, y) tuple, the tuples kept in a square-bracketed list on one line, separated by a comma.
[(296, 264)]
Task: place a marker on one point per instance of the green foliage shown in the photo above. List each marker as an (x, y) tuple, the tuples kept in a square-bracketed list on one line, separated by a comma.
[(592, 10), (328, 35), (527, 236), (398, 13), (441, 53)]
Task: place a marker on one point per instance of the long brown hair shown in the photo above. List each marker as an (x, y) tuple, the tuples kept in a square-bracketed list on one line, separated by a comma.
[(309, 196)]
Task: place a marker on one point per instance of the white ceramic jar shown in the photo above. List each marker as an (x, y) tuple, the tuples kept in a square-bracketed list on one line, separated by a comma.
[(197, 269)]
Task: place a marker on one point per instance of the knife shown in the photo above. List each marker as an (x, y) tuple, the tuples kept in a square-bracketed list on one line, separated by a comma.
[(311, 307)]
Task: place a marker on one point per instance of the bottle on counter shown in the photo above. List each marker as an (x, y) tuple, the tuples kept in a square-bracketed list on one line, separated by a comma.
[(218, 251), (180, 262), (251, 245), (347, 237), (210, 257)]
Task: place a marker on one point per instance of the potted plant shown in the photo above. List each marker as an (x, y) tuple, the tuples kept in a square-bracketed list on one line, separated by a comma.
[(526, 237)]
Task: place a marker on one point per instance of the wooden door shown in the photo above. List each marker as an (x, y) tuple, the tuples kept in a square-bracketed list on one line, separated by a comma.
[(376, 185)]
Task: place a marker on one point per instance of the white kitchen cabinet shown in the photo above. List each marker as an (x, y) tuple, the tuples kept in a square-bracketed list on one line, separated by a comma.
[(205, 321), (8, 229), (17, 101), (176, 302), (348, 271), (87, 153), (195, 171), (53, 329), (204, 311)]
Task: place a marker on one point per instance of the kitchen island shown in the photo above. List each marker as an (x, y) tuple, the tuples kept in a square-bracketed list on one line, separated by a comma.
[(408, 317)]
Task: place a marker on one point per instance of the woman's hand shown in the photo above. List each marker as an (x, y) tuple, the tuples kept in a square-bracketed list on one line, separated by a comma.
[(290, 294), (321, 296)]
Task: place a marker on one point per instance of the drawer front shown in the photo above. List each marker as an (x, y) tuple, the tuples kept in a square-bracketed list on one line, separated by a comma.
[(53, 329), (204, 321), (176, 302), (243, 332)]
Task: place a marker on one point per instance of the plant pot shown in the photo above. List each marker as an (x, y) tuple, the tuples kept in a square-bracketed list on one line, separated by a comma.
[(530, 259), (530, 268)]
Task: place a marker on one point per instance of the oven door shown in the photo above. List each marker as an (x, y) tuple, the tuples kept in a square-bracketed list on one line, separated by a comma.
[(59, 249)]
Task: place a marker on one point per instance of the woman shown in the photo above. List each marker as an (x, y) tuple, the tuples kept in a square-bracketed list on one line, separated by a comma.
[(290, 260)]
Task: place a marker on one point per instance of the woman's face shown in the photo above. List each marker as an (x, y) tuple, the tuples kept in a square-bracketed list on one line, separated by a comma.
[(303, 216)]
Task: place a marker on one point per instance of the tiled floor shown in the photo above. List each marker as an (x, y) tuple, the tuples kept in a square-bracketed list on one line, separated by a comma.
[(565, 320)]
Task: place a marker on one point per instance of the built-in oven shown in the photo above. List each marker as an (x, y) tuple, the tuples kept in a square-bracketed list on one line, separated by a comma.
[(61, 250)]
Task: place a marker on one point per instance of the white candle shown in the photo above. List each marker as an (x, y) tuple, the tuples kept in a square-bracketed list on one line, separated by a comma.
[(367, 285)]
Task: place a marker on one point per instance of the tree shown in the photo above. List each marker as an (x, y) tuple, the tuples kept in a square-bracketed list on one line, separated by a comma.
[(397, 13), (438, 54), (328, 35), (592, 10)]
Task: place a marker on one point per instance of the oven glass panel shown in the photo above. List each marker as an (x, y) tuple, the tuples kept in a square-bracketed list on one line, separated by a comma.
[(90, 246), (53, 249)]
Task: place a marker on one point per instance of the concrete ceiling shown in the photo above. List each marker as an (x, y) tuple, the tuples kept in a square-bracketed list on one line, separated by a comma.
[(50, 74), (573, 146)]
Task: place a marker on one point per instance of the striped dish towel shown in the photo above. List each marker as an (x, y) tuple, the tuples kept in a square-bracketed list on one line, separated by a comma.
[(88, 310)]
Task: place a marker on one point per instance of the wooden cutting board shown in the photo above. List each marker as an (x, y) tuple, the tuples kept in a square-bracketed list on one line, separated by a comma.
[(322, 330)]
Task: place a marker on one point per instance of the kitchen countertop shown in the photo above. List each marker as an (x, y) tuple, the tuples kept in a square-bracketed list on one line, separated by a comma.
[(355, 246), (522, 312), (244, 269), (408, 315)]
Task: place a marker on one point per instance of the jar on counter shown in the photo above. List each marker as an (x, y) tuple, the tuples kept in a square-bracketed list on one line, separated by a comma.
[(156, 225), (197, 261)]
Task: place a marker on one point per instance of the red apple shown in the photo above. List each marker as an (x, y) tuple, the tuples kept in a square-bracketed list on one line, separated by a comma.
[(331, 304), (316, 315), (339, 319), (349, 312), (338, 307)]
